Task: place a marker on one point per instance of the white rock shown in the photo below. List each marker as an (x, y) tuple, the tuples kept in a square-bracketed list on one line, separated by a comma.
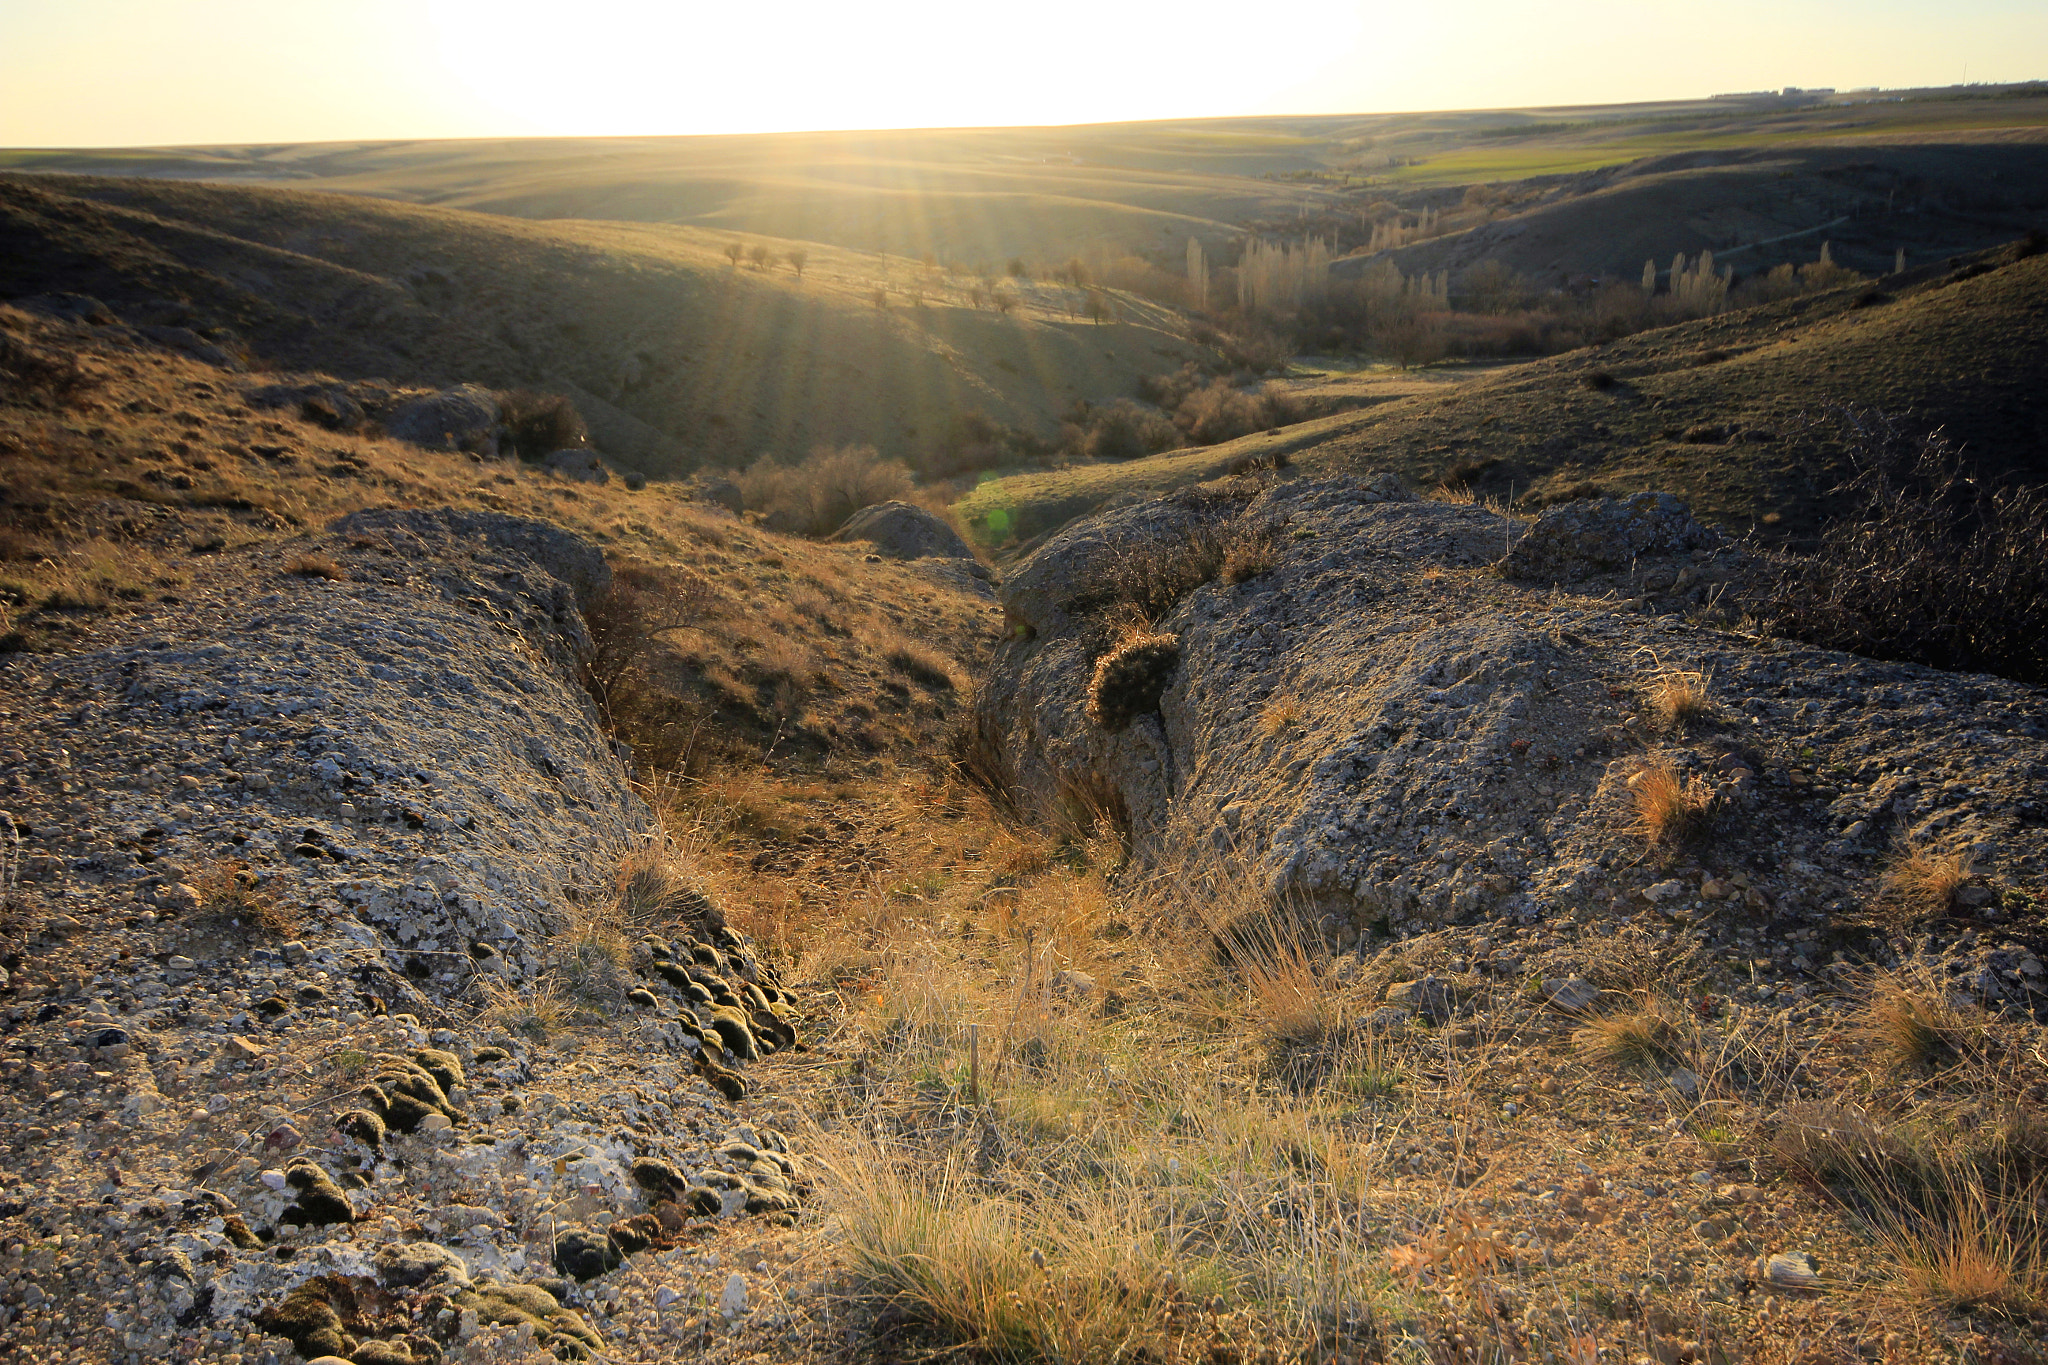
[(1793, 1270), (436, 1123), (732, 1300), (274, 1179)]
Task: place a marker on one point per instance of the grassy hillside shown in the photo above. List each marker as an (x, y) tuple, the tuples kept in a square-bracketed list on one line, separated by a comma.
[(676, 355), (1730, 412)]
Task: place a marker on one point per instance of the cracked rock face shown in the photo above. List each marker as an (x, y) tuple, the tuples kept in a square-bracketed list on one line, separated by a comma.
[(1385, 731), (402, 751)]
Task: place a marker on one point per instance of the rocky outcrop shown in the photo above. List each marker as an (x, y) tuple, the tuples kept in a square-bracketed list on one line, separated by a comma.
[(582, 465), (461, 418), (1601, 535), (905, 532), (401, 749), (1385, 730)]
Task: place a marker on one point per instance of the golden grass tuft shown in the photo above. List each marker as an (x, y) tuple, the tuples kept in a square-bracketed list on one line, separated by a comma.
[(1279, 715), (1922, 882), (1678, 699), (1635, 1040), (1670, 810), (1912, 1018), (315, 566)]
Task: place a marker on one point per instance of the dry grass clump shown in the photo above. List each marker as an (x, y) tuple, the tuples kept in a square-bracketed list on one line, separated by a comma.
[(1670, 810), (315, 566), (1922, 883), (1251, 554), (1679, 698), (1279, 715), (1959, 1215), (1129, 679), (922, 665), (230, 893), (658, 886), (1640, 1039), (1913, 1018)]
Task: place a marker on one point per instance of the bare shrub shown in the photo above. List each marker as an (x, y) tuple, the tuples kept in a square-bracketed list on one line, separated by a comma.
[(539, 424), (231, 893), (1931, 564), (832, 483), (1122, 430)]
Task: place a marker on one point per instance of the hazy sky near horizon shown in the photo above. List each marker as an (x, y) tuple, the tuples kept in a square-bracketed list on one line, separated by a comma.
[(78, 73)]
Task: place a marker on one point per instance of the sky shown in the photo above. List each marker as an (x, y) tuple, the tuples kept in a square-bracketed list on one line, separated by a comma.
[(112, 73)]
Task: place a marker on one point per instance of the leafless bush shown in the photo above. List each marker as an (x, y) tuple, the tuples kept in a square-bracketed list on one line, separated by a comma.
[(541, 423), (830, 485), (1122, 430), (1931, 564)]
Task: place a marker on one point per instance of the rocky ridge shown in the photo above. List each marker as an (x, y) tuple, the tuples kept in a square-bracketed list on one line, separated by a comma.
[(267, 852), (1388, 732)]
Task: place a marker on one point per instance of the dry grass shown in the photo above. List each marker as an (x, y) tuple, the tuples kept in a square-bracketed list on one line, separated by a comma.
[(1913, 1018), (315, 566), (1279, 715), (1922, 883), (231, 894), (1670, 810), (1677, 699), (1640, 1039)]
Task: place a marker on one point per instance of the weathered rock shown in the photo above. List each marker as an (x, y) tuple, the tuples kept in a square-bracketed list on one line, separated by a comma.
[(582, 464), (461, 418), (904, 531), (1381, 736), (1601, 535)]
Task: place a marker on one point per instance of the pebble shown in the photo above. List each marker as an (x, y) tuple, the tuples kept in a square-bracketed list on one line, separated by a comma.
[(732, 1300), (1793, 1270)]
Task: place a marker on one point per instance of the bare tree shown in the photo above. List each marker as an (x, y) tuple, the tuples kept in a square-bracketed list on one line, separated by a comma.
[(734, 251), (797, 257)]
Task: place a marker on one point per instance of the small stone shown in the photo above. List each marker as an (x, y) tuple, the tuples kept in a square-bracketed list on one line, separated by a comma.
[(1793, 1270), (256, 782), (435, 1123), (732, 1300), (179, 896), (1685, 1082), (274, 1179), (1713, 890), (243, 1049), (1571, 993), (180, 964), (295, 953), (1659, 892)]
